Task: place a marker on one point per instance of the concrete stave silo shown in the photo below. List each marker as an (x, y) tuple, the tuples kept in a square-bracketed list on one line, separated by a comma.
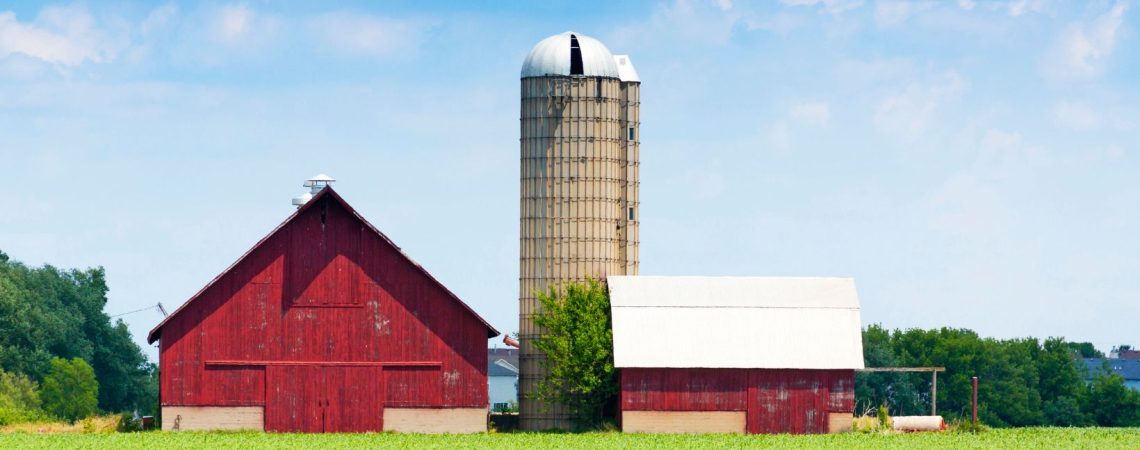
[(579, 135)]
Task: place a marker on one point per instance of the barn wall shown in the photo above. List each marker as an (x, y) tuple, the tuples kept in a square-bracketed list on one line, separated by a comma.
[(435, 420), (324, 288), (198, 418), (775, 400)]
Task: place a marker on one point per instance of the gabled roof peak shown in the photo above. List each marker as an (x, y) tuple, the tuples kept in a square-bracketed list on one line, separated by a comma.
[(325, 192)]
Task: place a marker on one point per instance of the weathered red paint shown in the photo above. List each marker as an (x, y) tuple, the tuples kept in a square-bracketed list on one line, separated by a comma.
[(775, 400), (324, 322)]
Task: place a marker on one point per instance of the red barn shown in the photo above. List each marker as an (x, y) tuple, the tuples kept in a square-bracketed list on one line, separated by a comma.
[(736, 355), (324, 325)]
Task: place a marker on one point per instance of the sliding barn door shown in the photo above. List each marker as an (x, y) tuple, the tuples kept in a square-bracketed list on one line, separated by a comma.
[(355, 399), (294, 399), (324, 399)]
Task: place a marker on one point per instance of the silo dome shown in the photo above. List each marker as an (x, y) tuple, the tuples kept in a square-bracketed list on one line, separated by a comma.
[(569, 54)]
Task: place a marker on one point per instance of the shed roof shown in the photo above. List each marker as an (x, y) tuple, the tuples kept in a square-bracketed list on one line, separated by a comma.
[(329, 192), (736, 322)]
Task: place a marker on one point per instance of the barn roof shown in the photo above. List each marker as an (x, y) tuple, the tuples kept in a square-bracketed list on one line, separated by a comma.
[(736, 322), (329, 192)]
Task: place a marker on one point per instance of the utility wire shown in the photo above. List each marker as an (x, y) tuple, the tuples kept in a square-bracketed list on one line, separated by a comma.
[(135, 311)]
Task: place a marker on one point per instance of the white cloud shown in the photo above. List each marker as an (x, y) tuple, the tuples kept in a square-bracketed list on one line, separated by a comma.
[(906, 114), (234, 21), (973, 202), (892, 12), (835, 7), (777, 137), (67, 36), (1002, 154), (724, 5), (242, 26), (365, 34), (158, 19), (815, 112), (1083, 49), (1020, 7), (1075, 115), (966, 205), (966, 4)]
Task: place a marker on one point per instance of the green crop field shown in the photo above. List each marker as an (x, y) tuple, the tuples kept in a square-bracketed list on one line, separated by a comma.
[(995, 439)]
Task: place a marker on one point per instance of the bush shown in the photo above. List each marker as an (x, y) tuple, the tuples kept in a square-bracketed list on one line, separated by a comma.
[(578, 344), (70, 391), (19, 399), (128, 423)]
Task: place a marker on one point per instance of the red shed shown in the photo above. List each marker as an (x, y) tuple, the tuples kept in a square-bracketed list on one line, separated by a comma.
[(324, 325), (736, 354)]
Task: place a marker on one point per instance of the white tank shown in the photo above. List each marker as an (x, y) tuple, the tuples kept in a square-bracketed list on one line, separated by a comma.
[(579, 134)]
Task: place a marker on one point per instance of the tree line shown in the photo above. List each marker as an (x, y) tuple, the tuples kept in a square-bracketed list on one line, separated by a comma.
[(60, 354), (1022, 382)]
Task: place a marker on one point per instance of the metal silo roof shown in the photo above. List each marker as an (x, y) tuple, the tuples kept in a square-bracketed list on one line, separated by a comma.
[(552, 57), (625, 69)]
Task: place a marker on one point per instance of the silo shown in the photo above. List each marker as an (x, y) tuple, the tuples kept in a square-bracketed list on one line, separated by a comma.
[(579, 133)]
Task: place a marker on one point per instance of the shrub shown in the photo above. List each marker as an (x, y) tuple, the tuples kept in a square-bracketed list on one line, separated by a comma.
[(70, 391), (128, 423), (578, 344), (19, 399)]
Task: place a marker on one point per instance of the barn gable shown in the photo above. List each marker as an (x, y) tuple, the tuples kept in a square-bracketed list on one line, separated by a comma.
[(333, 262)]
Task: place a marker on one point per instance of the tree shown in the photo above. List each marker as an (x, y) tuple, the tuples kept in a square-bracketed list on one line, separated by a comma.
[(70, 391), (578, 344), (19, 398), (1110, 403), (1084, 350), (47, 312), (1060, 383)]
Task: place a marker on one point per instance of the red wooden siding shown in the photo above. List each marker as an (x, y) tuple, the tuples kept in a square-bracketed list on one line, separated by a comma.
[(324, 288), (775, 400)]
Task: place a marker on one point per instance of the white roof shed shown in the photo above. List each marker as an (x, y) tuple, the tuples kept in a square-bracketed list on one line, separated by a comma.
[(736, 322)]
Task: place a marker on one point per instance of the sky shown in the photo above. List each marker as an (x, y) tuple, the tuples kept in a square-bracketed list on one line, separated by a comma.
[(971, 164)]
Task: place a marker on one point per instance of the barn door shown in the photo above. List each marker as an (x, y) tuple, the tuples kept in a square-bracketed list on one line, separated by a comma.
[(355, 399), (316, 399), (294, 397)]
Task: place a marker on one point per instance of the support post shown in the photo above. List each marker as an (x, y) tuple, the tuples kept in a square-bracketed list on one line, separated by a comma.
[(934, 393), (974, 402)]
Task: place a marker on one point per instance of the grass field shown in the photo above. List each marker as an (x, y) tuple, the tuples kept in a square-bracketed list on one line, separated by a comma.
[(995, 439)]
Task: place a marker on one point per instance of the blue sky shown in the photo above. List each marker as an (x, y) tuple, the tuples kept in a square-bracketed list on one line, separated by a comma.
[(972, 164)]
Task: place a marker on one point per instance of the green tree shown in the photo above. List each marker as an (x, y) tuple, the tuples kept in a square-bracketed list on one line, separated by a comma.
[(1084, 349), (873, 389), (1060, 384), (1023, 382), (70, 391), (578, 344), (1110, 403), (19, 398), (46, 312)]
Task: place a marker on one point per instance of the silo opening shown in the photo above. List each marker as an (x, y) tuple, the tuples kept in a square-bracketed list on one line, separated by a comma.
[(575, 56)]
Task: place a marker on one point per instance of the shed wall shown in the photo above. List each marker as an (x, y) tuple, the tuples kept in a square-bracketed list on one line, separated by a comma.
[(775, 400)]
